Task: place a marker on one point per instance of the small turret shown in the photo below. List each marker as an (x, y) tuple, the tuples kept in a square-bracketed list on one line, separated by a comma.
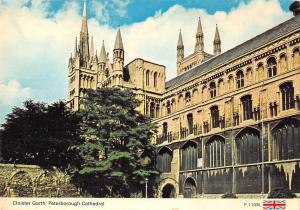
[(180, 48), (102, 57), (199, 46), (217, 42), (118, 59), (180, 51)]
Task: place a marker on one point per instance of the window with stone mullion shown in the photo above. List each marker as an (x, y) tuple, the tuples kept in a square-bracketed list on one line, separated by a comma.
[(247, 107)]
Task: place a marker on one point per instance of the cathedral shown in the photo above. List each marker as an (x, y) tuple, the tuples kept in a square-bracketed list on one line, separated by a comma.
[(228, 122)]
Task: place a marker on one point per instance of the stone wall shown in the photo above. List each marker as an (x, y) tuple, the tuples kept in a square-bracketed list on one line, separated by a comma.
[(33, 181)]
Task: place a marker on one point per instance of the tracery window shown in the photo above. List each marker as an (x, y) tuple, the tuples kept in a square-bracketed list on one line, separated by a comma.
[(248, 146), (187, 98), (247, 107), (190, 123), (189, 156), (286, 140), (214, 111), (164, 160), (168, 107), (287, 95), (215, 152)]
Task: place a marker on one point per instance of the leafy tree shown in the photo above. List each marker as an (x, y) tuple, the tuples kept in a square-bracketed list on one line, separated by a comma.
[(117, 153), (40, 134)]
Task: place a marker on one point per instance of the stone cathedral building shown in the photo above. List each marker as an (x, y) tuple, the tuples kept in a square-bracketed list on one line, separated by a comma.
[(228, 122)]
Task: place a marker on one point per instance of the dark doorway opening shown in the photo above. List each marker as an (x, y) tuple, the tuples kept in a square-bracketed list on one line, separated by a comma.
[(168, 191)]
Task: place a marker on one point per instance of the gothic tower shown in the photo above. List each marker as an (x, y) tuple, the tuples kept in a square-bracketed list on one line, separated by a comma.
[(217, 42), (82, 66)]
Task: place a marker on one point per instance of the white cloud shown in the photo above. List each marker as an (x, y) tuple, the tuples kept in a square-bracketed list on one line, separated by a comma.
[(35, 49), (105, 9), (13, 93)]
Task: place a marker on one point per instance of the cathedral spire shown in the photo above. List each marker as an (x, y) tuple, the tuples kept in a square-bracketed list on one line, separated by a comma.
[(84, 27), (118, 42), (217, 42), (199, 46), (84, 38), (102, 57)]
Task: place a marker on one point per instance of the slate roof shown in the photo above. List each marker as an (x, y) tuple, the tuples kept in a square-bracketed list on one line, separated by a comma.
[(250, 45)]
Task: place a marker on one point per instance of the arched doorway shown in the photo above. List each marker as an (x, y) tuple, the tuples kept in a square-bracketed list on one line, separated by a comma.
[(168, 191), (189, 188)]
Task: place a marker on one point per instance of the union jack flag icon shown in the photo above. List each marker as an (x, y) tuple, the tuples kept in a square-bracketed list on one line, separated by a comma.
[(274, 204)]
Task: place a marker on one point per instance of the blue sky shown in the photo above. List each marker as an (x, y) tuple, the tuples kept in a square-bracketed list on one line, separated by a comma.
[(139, 10), (39, 36)]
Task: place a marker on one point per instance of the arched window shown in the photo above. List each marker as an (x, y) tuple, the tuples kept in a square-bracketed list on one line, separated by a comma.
[(165, 129), (221, 86), (215, 152), (249, 74), (173, 105), (189, 156), (106, 73), (152, 110), (195, 95), (157, 110), (230, 83), (286, 140), (215, 121), (283, 63), (155, 79), (190, 123), (204, 93), (147, 78), (239, 79), (247, 107), (248, 146), (287, 95), (272, 67), (212, 90), (260, 72), (180, 101), (168, 107), (296, 57), (164, 160), (187, 98)]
